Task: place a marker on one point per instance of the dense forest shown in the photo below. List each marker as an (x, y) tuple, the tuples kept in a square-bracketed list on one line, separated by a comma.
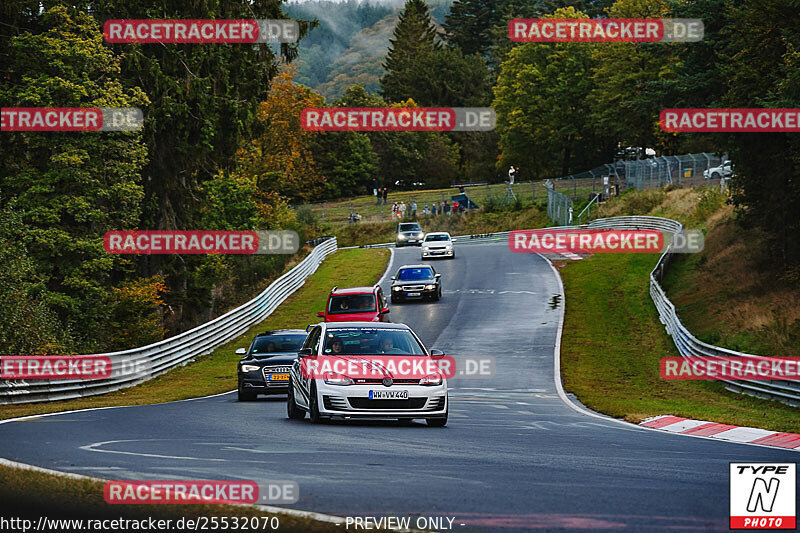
[(222, 146)]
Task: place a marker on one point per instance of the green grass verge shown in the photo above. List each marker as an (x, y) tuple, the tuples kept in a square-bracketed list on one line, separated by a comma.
[(216, 373), (613, 342), (30, 494)]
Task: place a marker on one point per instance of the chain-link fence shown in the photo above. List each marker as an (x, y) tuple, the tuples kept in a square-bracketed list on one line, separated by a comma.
[(677, 170), (573, 199)]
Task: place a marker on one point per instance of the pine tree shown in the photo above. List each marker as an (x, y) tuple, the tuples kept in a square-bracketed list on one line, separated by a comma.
[(413, 38)]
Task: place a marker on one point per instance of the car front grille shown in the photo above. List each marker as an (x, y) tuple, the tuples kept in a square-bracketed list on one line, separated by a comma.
[(275, 370), (367, 404), (413, 287)]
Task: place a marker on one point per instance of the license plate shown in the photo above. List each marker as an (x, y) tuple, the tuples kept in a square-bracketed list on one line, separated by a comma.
[(388, 395), (413, 294), (278, 377)]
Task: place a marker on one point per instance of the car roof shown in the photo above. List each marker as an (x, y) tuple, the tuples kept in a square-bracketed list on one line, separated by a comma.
[(414, 266), (281, 332), (354, 290), (365, 324)]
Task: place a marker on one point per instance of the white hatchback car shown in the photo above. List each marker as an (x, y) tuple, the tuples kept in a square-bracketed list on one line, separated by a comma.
[(438, 244), (368, 389)]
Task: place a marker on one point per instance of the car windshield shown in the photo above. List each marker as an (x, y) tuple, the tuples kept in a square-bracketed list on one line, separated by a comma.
[(437, 238), (371, 341), (351, 303), (281, 343), (410, 227), (411, 274)]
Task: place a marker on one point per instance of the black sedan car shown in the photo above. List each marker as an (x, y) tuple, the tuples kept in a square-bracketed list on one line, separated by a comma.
[(264, 369), (416, 282)]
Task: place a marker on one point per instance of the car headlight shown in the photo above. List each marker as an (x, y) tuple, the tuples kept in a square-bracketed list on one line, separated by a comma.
[(250, 368), (431, 380), (332, 378), (397, 288), (430, 287), (401, 237)]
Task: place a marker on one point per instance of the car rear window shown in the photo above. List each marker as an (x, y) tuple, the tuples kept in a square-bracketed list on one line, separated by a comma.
[(277, 344), (351, 303), (411, 274)]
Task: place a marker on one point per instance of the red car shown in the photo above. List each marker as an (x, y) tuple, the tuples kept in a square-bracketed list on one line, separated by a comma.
[(356, 304)]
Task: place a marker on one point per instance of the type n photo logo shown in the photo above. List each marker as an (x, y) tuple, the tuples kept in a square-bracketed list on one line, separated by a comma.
[(763, 496)]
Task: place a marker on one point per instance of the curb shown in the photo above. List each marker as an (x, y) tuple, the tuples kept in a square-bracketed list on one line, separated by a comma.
[(726, 432)]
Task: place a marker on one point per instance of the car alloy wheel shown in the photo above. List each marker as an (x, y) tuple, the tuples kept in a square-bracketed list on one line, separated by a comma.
[(292, 410), (313, 409)]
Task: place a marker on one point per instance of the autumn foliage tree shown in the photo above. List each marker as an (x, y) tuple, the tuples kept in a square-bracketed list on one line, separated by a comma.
[(280, 158)]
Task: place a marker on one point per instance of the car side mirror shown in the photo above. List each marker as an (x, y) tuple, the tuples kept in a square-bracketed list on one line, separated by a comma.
[(437, 276), (394, 278), (437, 354), (304, 352), (321, 314), (452, 240), (384, 310), (241, 351)]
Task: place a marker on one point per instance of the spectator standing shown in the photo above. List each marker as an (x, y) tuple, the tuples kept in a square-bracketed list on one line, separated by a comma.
[(425, 210), (446, 208), (511, 174), (455, 206), (394, 208), (385, 195), (434, 207), (402, 209), (413, 209)]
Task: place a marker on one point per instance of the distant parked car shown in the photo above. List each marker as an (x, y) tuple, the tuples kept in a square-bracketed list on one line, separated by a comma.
[(408, 234), (724, 170)]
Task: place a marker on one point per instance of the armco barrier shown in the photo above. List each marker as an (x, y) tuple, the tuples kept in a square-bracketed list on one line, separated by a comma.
[(130, 367), (688, 345)]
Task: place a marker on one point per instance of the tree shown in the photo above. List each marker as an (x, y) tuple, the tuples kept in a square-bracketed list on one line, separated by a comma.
[(541, 104), (70, 188), (766, 188), (469, 24), (280, 158), (626, 98), (414, 37)]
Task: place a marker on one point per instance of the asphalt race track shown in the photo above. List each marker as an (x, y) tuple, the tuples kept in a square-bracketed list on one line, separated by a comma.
[(514, 456)]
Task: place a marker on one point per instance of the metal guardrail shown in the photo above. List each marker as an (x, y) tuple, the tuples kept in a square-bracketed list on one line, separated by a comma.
[(688, 345), (131, 367)]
